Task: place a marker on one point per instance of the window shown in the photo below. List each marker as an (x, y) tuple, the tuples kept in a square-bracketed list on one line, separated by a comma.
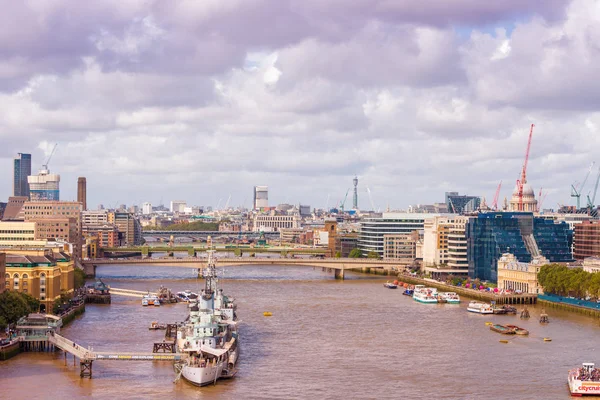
[(16, 281)]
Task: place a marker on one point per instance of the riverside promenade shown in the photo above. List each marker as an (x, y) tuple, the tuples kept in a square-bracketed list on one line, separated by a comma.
[(525, 298)]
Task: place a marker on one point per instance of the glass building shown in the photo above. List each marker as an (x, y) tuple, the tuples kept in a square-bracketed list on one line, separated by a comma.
[(22, 169), (458, 204), (519, 233)]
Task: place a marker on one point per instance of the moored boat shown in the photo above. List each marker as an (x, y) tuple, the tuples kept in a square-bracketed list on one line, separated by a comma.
[(518, 330), (145, 301), (155, 326), (390, 285), (408, 292), (584, 380), (450, 297), (505, 330), (425, 295), (480, 307)]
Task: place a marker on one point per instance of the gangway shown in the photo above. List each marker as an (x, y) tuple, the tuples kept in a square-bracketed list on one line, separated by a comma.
[(131, 293)]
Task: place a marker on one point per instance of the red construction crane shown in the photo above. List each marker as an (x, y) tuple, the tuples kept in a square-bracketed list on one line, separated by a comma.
[(495, 202), (523, 180)]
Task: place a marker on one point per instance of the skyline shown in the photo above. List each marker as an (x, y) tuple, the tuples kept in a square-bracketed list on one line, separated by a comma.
[(200, 101)]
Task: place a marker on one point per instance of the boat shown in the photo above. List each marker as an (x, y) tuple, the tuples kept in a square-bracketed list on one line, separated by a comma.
[(518, 330), (408, 292), (145, 301), (425, 295), (155, 326), (505, 330), (505, 309), (390, 285), (186, 295), (584, 380), (450, 297), (480, 307), (209, 338)]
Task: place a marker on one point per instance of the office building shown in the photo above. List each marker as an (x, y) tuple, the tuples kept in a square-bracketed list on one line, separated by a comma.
[(82, 192), (14, 233), (13, 210), (445, 245), (130, 230), (22, 169), (106, 235), (458, 204), (2, 208), (372, 230), (44, 186), (273, 223), (94, 217), (586, 242), (520, 276), (178, 206), (304, 210), (400, 247), (146, 208), (261, 197), (491, 234)]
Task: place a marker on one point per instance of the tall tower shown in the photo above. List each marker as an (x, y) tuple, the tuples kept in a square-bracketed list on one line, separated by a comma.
[(355, 198), (82, 192), (21, 171)]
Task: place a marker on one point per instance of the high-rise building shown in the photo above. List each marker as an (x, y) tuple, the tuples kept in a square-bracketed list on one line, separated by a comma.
[(355, 197), (587, 240), (130, 230), (22, 170), (146, 208), (445, 245), (459, 204), (177, 206), (82, 192), (44, 186), (261, 197)]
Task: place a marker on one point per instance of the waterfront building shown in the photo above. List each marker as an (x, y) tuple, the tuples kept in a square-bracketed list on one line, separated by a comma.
[(14, 233), (94, 217), (529, 201), (460, 204), (400, 247), (22, 169), (290, 235), (82, 192), (586, 242), (372, 230), (177, 206), (2, 272), (37, 326), (44, 186), (344, 243), (129, 228), (445, 245), (261, 197), (520, 233), (522, 276), (107, 235), (40, 272), (273, 223), (591, 264)]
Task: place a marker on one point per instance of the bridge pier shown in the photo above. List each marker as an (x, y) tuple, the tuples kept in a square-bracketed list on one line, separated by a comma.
[(86, 368), (90, 270), (339, 274)]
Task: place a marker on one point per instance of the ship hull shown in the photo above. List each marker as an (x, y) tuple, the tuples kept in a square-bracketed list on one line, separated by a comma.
[(202, 376), (584, 388)]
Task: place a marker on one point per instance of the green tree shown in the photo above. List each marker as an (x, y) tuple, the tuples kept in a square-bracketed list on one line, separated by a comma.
[(13, 306), (79, 276), (32, 302), (338, 254), (372, 254), (355, 253), (3, 323)]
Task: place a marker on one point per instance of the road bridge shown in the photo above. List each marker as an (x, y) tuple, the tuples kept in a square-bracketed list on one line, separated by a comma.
[(213, 234), (338, 265), (195, 250)]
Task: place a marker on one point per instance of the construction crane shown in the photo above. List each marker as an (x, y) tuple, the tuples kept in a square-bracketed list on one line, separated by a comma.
[(45, 165), (576, 189), (523, 180), (541, 200), (495, 202), (342, 203), (371, 200), (592, 201), (227, 203)]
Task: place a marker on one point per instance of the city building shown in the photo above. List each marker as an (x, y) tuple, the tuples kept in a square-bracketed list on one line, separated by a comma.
[(591, 264), (520, 276), (372, 230), (13, 208), (2, 208), (82, 192), (344, 243), (290, 235), (146, 208), (40, 272), (586, 241), (94, 217), (489, 235), (22, 169), (44, 186), (304, 210), (400, 247), (14, 233), (460, 204), (529, 201), (273, 223), (178, 206), (2, 272), (445, 245), (107, 235), (129, 228), (261, 197)]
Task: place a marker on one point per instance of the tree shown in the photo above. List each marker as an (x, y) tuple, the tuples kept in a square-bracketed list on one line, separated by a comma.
[(338, 254), (3, 323), (355, 253), (79, 277), (372, 254), (13, 306)]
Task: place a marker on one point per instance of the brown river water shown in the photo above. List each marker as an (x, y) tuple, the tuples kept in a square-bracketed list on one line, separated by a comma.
[(327, 339)]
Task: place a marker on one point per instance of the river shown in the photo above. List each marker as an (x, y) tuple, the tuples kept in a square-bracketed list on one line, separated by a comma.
[(327, 339)]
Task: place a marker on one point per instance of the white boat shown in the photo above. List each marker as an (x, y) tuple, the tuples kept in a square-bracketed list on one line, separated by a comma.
[(145, 301), (480, 307), (450, 297), (150, 300), (584, 380), (425, 295), (187, 295)]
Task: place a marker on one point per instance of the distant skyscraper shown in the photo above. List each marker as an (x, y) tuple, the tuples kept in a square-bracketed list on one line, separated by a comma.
[(21, 171), (178, 205), (458, 204), (261, 197), (44, 186), (82, 192), (146, 208), (355, 198)]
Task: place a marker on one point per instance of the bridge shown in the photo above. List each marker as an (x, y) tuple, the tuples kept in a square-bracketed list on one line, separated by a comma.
[(338, 265), (194, 250), (213, 234), (87, 356)]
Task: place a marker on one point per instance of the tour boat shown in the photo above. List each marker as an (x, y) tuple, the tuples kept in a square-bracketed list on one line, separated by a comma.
[(390, 285), (155, 326), (450, 297), (584, 380), (425, 295), (517, 330), (480, 308), (505, 330)]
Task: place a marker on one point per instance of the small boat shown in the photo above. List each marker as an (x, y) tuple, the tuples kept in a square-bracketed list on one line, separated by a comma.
[(518, 331), (390, 285), (584, 380), (155, 326), (408, 292), (268, 314), (145, 301), (480, 307), (503, 329)]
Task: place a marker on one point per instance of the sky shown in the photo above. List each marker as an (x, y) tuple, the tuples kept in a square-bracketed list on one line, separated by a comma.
[(202, 100)]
